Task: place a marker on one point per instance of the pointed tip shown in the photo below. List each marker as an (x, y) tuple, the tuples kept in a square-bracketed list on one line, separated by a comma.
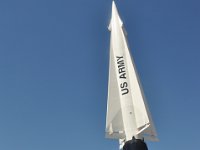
[(114, 6), (113, 3), (115, 16), (115, 10)]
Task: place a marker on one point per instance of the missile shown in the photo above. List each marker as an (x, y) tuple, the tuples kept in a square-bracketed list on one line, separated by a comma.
[(128, 117)]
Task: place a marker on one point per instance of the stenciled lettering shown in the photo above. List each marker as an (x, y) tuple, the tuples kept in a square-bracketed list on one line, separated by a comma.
[(124, 88), (122, 75)]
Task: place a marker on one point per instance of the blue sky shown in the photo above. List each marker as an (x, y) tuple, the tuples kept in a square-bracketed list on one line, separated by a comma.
[(54, 71)]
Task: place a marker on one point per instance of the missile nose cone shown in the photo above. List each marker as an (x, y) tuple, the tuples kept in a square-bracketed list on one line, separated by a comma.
[(115, 16), (114, 10), (114, 6)]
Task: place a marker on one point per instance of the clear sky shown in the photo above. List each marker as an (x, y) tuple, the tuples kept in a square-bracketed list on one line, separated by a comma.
[(54, 71)]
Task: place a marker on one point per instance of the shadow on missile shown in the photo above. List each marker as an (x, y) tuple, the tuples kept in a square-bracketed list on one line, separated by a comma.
[(135, 144)]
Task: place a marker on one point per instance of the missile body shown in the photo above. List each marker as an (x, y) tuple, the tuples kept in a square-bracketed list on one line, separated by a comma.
[(128, 117)]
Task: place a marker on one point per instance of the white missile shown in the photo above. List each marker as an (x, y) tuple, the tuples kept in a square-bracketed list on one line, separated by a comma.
[(127, 110)]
